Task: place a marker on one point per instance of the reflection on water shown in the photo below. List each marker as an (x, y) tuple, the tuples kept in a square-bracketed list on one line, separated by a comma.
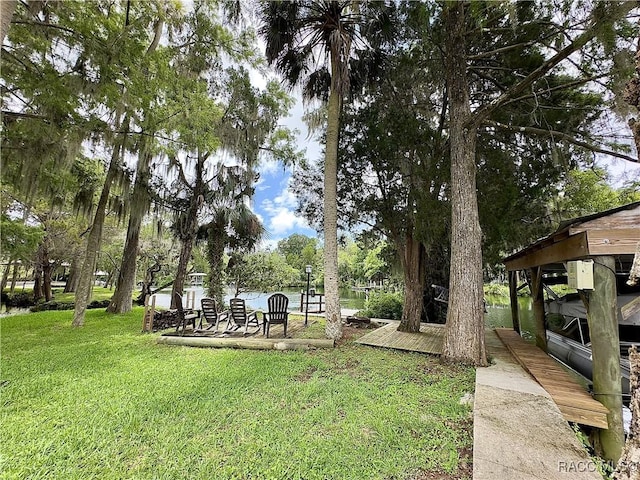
[(258, 300), (499, 314)]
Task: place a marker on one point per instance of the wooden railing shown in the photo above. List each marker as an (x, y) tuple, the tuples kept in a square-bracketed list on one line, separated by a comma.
[(314, 299)]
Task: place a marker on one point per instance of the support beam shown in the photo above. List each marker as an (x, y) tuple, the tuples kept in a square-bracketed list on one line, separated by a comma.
[(537, 294), (605, 344), (513, 296)]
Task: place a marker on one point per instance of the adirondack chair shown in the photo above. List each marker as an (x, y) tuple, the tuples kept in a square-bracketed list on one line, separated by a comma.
[(211, 315), (184, 316), (239, 317), (277, 313)]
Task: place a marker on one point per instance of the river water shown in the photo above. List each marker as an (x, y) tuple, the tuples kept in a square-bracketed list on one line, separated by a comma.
[(349, 299), (498, 313)]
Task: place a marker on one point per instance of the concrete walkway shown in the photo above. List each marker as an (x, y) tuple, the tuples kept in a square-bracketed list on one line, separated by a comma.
[(518, 432)]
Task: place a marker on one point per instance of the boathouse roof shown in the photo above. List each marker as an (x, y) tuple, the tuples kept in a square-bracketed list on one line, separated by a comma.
[(614, 232)]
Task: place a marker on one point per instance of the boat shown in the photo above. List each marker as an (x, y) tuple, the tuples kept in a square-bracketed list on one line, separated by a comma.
[(569, 341)]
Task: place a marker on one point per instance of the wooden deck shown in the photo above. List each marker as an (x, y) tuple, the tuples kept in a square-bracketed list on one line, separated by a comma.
[(571, 398), (294, 328), (429, 340)]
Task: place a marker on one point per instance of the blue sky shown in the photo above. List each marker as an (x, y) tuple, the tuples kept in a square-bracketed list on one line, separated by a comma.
[(273, 201), (275, 204)]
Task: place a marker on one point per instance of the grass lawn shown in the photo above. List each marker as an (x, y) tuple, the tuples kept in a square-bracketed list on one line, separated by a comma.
[(105, 401)]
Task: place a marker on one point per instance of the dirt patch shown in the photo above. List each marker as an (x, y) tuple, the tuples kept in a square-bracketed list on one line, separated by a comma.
[(306, 375), (349, 334)]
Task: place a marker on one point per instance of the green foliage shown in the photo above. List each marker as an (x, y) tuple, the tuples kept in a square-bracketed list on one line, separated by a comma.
[(55, 305), (113, 404), (19, 241), (260, 272), (383, 305), (588, 191), (18, 299), (300, 251), (496, 289)]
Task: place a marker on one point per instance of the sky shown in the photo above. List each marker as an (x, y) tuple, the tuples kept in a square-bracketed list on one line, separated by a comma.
[(273, 201)]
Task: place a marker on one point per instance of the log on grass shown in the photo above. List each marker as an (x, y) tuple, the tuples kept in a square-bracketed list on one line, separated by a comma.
[(249, 343)]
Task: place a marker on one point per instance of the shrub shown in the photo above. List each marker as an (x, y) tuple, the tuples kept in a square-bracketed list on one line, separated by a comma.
[(383, 305), (18, 300), (55, 305)]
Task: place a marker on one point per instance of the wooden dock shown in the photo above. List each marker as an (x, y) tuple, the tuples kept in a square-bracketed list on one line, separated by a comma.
[(429, 340), (573, 401)]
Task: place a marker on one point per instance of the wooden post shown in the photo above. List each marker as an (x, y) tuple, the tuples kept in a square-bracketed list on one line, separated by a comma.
[(149, 312), (537, 293), (513, 296), (302, 301), (602, 317)]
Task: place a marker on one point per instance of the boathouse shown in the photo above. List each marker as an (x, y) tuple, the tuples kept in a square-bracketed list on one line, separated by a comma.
[(598, 249)]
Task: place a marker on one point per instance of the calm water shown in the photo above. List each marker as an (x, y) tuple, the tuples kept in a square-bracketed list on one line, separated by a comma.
[(498, 314), (258, 300)]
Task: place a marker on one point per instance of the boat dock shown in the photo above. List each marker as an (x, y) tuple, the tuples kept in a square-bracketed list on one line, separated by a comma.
[(522, 404), (519, 432), (571, 398)]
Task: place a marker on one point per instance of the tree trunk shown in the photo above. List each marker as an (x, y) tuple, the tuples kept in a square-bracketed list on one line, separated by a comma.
[(215, 252), (332, 294), (121, 302), (414, 275), (464, 334), (14, 276), (46, 275), (181, 272), (602, 316), (72, 279), (85, 279), (7, 8), (189, 231), (37, 284), (629, 463), (5, 275)]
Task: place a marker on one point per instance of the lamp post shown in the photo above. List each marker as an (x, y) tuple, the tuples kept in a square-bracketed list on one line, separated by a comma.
[(306, 303)]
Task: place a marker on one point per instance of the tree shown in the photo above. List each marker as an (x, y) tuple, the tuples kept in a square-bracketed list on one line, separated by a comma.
[(327, 47), (241, 122), (235, 228), (299, 251), (6, 13), (588, 191), (19, 242), (260, 272), (464, 337), (155, 77)]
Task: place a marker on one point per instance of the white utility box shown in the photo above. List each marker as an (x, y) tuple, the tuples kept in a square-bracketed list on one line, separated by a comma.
[(580, 273)]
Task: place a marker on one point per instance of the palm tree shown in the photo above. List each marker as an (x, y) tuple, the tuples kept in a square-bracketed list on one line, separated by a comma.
[(236, 227), (327, 48)]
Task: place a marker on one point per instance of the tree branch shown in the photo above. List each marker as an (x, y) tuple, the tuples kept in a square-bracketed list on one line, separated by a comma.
[(561, 136), (617, 11)]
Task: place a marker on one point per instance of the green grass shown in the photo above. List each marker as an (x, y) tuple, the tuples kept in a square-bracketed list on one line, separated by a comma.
[(104, 401), (97, 293)]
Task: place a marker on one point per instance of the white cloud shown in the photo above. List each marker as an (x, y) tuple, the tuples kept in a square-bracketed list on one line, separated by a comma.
[(286, 220), (281, 212)]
